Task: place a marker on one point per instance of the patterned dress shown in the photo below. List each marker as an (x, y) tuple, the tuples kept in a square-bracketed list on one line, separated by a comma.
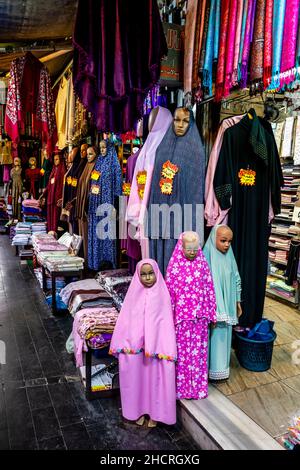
[(105, 187), (194, 306)]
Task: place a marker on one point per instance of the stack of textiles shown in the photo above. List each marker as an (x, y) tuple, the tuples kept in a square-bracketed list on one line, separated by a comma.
[(288, 198), (38, 227), (82, 294), (93, 327), (277, 271), (32, 211), (3, 215), (280, 287), (12, 231), (23, 234), (280, 242), (116, 283), (26, 254), (286, 213)]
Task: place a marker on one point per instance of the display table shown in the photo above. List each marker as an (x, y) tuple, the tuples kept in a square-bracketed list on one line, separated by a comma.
[(54, 275)]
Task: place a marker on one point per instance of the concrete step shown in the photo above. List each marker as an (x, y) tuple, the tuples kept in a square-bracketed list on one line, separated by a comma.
[(218, 424)]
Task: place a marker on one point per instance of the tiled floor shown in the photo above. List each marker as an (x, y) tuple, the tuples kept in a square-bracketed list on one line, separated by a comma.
[(271, 398), (42, 404)]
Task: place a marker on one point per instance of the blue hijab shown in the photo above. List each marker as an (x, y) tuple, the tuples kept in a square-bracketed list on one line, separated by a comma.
[(226, 279)]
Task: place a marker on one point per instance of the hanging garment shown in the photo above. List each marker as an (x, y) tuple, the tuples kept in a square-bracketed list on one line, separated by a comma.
[(131, 246), (81, 207), (293, 262), (229, 66), (289, 43), (183, 157), (193, 301), (257, 55), (210, 50), (105, 187), (30, 92), (60, 113), (53, 193), (248, 171), (70, 189), (212, 211), (227, 285), (112, 76), (198, 42), (32, 176), (242, 39), (192, 50), (144, 341), (247, 43), (222, 50), (5, 152), (237, 42), (142, 178), (268, 43)]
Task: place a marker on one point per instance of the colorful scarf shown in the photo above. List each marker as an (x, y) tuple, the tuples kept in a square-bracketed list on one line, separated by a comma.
[(257, 57), (198, 43), (230, 47), (243, 30), (190, 30), (287, 74), (298, 51), (278, 26), (246, 44), (205, 35), (191, 287), (222, 50), (145, 324), (217, 29), (268, 43), (227, 281), (237, 42), (209, 53)]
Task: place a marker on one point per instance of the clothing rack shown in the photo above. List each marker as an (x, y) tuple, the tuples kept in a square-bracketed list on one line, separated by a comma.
[(66, 70)]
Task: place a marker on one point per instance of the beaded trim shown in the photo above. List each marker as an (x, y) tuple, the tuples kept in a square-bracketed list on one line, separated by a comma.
[(139, 351)]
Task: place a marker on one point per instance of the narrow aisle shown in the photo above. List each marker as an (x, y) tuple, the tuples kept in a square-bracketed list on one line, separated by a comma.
[(42, 403)]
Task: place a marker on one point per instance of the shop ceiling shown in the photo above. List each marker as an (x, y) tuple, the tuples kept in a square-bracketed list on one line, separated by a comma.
[(42, 26)]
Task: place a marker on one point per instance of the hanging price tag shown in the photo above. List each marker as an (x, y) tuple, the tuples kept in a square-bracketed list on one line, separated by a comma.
[(95, 175), (74, 182), (52, 180), (95, 189)]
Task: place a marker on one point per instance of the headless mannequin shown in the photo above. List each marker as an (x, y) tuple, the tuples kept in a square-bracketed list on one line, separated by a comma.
[(148, 279)]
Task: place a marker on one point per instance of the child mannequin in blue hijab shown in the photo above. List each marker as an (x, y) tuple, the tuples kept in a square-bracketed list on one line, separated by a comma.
[(227, 283)]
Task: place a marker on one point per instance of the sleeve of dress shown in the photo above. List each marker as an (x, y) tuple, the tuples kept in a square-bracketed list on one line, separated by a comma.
[(276, 177), (209, 292), (223, 174)]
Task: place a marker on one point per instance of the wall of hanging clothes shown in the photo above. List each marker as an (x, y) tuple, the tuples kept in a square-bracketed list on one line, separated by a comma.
[(234, 44)]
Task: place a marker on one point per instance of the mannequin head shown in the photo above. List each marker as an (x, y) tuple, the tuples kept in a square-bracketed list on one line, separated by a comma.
[(32, 163), (190, 245), (17, 162), (152, 117), (91, 154), (224, 237), (147, 275), (56, 160), (83, 150), (103, 148), (72, 154), (181, 121)]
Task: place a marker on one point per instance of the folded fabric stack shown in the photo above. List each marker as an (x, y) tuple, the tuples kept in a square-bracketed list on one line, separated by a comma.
[(32, 211), (63, 263), (279, 256), (280, 287), (39, 227), (116, 283), (280, 229), (82, 294)]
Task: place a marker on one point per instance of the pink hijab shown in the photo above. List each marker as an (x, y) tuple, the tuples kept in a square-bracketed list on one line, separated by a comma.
[(145, 323), (191, 287), (146, 159)]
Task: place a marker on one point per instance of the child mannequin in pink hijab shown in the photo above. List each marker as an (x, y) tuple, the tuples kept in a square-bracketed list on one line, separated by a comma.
[(194, 306), (145, 343)]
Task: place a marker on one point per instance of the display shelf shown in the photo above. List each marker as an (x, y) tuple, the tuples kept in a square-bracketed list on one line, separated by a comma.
[(281, 234), (278, 247), (284, 263), (279, 276)]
